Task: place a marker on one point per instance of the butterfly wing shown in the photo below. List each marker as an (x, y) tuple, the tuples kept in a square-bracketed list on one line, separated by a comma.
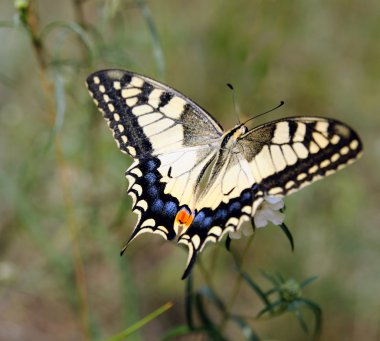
[(171, 139), (274, 159), (147, 117), (289, 154)]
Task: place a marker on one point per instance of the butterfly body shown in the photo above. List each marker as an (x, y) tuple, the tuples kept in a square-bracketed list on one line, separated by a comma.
[(231, 137), (193, 180)]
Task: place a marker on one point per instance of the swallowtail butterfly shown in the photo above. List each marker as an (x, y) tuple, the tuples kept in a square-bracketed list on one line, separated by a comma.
[(192, 179)]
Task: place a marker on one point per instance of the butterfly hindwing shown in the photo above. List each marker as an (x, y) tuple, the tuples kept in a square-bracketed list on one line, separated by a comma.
[(210, 225), (156, 210)]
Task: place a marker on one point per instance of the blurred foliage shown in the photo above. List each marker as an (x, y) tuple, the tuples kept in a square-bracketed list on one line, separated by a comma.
[(64, 213)]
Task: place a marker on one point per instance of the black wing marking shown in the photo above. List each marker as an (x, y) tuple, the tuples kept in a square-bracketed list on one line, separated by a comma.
[(156, 210)]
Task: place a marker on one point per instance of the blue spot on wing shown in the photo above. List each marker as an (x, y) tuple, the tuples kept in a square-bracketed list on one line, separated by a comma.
[(152, 164), (150, 178), (199, 218), (153, 191), (207, 218), (170, 209), (206, 223), (221, 214), (157, 206), (234, 207), (246, 195)]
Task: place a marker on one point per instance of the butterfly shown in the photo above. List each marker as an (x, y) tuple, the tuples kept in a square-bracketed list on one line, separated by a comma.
[(192, 180)]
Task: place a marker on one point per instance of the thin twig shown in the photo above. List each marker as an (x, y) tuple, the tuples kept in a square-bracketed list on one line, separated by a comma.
[(78, 12), (32, 25)]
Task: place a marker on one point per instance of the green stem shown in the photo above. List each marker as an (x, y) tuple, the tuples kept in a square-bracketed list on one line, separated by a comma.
[(236, 289), (32, 25), (138, 325), (206, 274)]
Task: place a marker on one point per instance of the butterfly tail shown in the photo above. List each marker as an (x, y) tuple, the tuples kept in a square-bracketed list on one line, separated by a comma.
[(192, 257)]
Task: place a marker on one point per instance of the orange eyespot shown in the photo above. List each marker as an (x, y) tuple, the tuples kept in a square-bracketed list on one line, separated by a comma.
[(184, 217)]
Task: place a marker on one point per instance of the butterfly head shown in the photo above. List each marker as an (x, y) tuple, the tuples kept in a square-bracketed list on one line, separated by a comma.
[(230, 137)]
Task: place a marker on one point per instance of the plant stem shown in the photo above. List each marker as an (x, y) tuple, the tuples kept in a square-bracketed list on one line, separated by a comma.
[(206, 275), (32, 25), (214, 258), (237, 285), (138, 325), (78, 12)]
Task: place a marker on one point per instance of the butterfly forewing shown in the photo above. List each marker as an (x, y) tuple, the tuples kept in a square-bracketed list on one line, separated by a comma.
[(288, 154), (147, 117)]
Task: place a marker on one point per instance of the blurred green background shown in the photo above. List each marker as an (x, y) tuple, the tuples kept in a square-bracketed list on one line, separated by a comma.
[(64, 212)]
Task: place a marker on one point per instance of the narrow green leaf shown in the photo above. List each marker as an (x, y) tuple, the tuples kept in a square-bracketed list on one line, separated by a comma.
[(124, 334), (71, 26), (270, 278), (189, 297), (272, 291), (111, 8), (180, 331), (60, 101), (316, 309), (213, 297), (246, 329), (295, 305), (288, 234), (271, 308), (254, 286), (208, 325), (302, 321), (308, 281), (157, 49)]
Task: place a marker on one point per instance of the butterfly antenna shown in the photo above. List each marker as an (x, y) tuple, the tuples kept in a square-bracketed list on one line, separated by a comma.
[(266, 112), (236, 108)]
